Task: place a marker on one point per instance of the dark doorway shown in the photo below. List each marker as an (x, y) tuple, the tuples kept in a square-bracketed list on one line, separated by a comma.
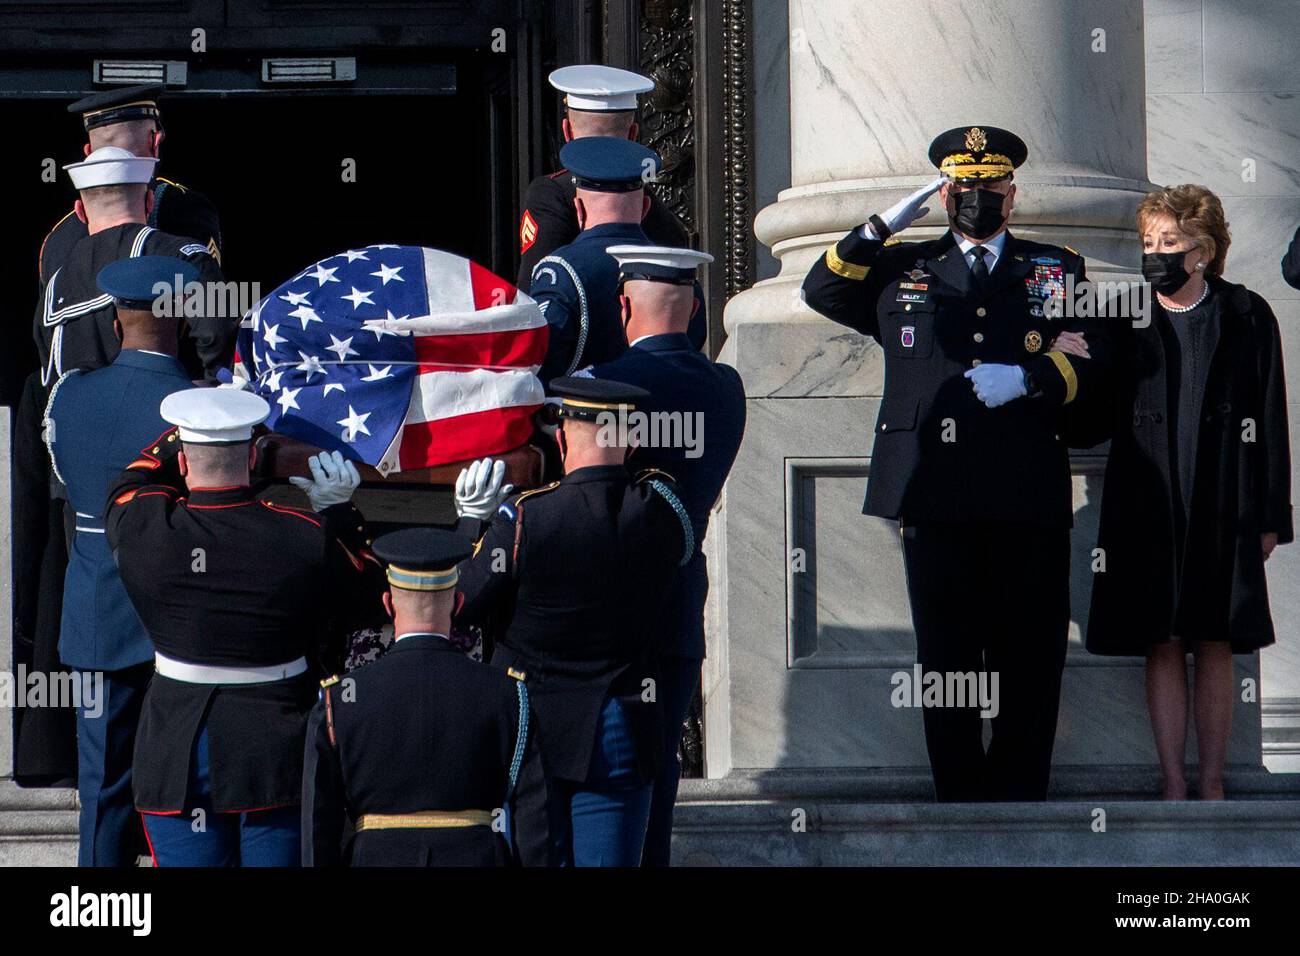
[(274, 167)]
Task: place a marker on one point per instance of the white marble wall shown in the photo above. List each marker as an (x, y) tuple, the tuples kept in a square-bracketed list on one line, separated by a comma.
[(1223, 110)]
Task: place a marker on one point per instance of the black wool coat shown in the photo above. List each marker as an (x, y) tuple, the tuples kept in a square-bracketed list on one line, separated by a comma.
[(1241, 488)]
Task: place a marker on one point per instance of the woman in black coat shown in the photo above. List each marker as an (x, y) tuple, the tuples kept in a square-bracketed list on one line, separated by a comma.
[(1198, 485)]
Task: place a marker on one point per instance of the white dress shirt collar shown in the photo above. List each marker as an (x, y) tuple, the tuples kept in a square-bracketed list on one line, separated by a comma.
[(419, 634), (994, 246)]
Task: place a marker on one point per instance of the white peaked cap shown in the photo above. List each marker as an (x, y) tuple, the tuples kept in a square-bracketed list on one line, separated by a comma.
[(687, 260), (111, 166), (600, 89), (214, 416)]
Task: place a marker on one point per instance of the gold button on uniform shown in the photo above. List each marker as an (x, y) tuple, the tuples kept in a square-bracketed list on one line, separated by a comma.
[(981, 311), (979, 336), (974, 362), (908, 307)]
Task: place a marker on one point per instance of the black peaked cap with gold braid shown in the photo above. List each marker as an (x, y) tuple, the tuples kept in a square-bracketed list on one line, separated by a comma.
[(977, 154), (586, 398), (423, 559)]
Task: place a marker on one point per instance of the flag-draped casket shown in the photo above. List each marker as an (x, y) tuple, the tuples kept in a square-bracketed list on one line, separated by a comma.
[(402, 357)]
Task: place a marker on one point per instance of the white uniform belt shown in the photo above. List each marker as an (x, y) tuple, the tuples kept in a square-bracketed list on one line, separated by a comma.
[(214, 674)]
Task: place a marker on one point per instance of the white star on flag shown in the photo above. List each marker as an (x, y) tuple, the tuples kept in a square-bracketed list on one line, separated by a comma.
[(310, 364), (331, 386), (379, 330), (383, 245), (341, 347), (354, 423), (357, 297), (271, 335), (378, 375), (273, 379), (296, 298), (305, 314), (354, 254), (288, 399), (322, 275), (386, 273)]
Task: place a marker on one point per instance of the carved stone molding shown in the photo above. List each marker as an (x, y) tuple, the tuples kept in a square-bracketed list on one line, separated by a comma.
[(737, 127)]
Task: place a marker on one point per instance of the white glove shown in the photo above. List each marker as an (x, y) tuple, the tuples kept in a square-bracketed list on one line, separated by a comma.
[(332, 482), (997, 384), (479, 491), (906, 211)]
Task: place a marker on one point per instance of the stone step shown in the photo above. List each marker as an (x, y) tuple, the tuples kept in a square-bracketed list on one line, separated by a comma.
[(893, 784), (38, 827), (847, 818), (869, 818)]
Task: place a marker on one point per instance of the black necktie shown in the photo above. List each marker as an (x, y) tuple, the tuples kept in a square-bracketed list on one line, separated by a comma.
[(979, 270)]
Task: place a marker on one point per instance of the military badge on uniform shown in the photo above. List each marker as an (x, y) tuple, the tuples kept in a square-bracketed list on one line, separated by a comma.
[(976, 139), (1033, 341), (1047, 279), (527, 231), (908, 337), (916, 275)]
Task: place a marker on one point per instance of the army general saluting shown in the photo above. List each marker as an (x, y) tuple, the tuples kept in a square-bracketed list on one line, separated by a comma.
[(983, 379)]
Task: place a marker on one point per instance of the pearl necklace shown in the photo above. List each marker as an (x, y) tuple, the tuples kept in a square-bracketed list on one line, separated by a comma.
[(1205, 290)]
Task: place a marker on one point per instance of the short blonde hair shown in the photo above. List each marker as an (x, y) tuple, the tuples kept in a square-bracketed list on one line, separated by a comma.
[(1197, 212)]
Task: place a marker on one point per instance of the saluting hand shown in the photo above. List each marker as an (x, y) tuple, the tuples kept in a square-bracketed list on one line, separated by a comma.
[(479, 489), (906, 211), (332, 482)]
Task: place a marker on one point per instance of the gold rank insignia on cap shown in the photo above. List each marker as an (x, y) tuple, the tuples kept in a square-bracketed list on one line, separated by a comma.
[(1033, 341), (975, 154)]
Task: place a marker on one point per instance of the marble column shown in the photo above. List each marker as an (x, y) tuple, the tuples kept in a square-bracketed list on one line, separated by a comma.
[(808, 615)]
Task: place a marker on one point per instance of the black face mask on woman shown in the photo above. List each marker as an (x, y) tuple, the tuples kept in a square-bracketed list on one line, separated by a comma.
[(1165, 271), (977, 213)]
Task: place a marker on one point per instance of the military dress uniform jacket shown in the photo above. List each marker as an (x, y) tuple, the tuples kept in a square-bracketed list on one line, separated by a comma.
[(577, 289), (579, 570), (221, 578), (550, 221), (74, 317), (96, 424), (939, 453), (709, 397), (422, 729), (177, 210)]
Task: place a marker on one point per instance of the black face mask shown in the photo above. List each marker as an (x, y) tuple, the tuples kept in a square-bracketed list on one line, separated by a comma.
[(977, 213), (1165, 271)]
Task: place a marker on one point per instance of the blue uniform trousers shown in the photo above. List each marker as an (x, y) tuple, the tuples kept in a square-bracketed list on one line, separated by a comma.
[(602, 821), (678, 678), (271, 837), (109, 829)]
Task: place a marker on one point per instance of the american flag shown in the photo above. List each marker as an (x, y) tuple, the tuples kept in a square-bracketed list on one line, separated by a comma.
[(399, 356)]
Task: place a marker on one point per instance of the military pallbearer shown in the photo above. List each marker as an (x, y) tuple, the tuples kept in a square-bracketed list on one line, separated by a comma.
[(700, 407), (424, 750)]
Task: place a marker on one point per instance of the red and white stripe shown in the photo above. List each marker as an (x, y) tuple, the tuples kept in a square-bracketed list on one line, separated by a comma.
[(479, 345)]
